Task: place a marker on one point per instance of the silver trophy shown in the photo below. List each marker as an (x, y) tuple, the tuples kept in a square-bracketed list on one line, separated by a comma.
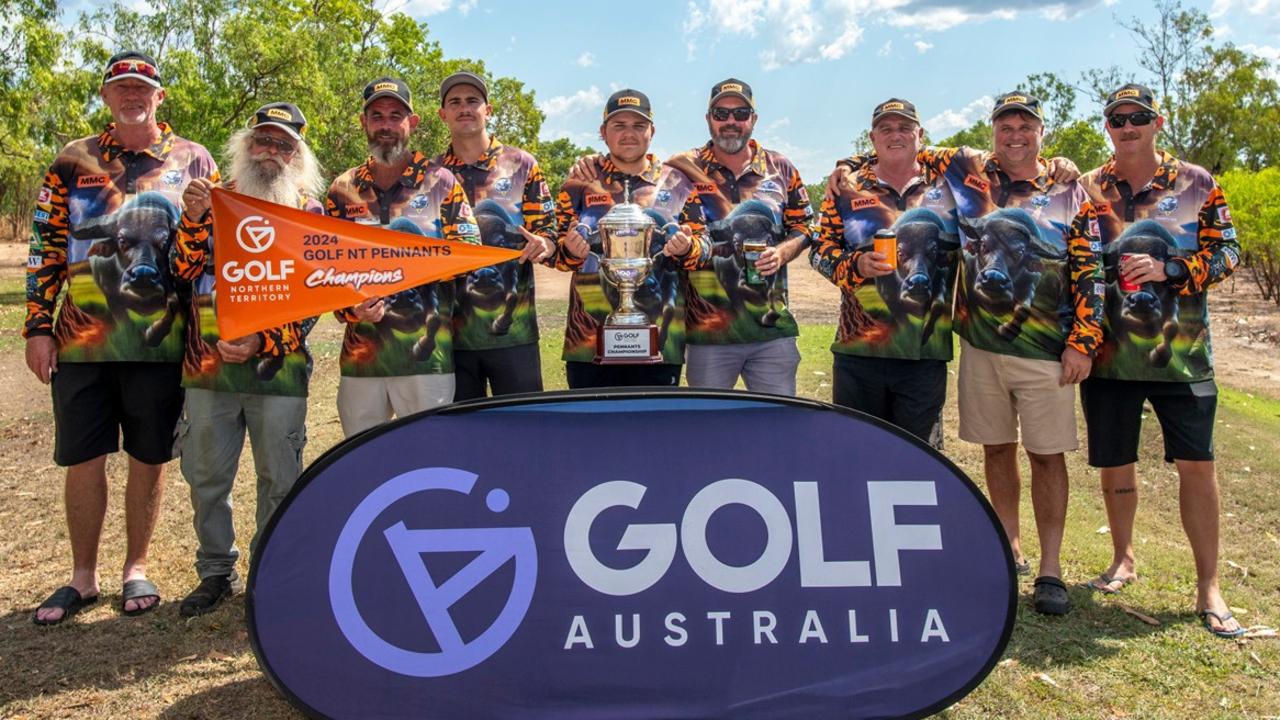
[(625, 236)]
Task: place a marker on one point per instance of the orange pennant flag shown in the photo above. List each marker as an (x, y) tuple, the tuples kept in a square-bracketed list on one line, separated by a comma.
[(278, 264)]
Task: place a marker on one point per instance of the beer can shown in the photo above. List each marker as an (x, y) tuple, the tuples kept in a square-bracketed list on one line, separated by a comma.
[(750, 254), (886, 243), (1125, 285)]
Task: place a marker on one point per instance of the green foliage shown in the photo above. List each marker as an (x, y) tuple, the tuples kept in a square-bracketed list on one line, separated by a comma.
[(1255, 211), (1080, 142), (556, 157), (977, 135)]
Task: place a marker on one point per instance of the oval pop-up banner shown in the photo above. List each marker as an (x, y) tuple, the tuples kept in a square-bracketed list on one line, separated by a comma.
[(631, 555)]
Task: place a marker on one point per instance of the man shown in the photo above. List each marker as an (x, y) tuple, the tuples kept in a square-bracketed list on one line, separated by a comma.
[(397, 352), (893, 341), (628, 169), (104, 219), (495, 328), (256, 383), (1167, 238), (1029, 314)]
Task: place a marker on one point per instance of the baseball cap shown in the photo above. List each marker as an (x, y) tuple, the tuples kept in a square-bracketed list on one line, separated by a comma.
[(1017, 100), (1140, 95), (132, 64), (464, 78), (628, 101), (894, 106), (732, 86), (386, 86), (283, 115)]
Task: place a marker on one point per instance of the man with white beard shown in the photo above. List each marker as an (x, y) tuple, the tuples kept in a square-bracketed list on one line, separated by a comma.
[(256, 383)]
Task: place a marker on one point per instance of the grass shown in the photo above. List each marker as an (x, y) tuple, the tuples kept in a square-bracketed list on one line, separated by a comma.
[(1098, 662)]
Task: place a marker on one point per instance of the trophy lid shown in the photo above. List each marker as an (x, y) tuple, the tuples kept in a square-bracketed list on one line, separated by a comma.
[(626, 213)]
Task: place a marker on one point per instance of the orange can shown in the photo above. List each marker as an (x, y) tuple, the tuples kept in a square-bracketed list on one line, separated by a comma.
[(886, 243)]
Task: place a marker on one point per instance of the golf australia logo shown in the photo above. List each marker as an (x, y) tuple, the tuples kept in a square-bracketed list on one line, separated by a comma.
[(435, 597), (254, 234)]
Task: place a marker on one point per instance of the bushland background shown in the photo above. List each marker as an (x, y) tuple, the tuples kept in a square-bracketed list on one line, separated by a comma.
[(1140, 654)]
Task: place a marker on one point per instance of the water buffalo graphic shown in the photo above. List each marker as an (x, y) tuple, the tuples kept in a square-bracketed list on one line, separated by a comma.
[(128, 260), (1004, 259), (495, 286), (926, 251), (752, 221), (410, 311), (1151, 311), (656, 296)]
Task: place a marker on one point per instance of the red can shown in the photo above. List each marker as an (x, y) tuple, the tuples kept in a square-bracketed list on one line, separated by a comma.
[(1125, 285)]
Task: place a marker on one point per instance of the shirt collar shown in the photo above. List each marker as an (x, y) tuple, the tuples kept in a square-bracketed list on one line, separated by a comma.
[(111, 148), (411, 177), (1040, 182), (864, 173), (650, 175), (758, 164), (487, 161), (1164, 178)]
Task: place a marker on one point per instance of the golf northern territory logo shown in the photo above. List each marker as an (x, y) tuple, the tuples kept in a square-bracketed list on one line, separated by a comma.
[(409, 545)]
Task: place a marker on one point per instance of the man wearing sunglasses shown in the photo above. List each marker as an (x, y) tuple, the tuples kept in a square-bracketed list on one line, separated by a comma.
[(1029, 314), (1167, 237), (104, 220), (495, 328), (255, 384), (397, 352)]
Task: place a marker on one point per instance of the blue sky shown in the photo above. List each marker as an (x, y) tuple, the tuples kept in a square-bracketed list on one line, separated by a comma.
[(817, 66)]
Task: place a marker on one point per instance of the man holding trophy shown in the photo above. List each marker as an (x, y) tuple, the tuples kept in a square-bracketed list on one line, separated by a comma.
[(626, 235)]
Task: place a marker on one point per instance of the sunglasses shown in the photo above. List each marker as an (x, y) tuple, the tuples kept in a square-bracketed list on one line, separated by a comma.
[(1137, 119), (741, 114), (264, 142), (136, 67)]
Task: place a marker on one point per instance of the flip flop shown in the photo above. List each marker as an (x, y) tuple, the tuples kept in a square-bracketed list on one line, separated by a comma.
[(68, 600), (1222, 620), (1051, 596), (1103, 584), (1022, 568), (139, 589)]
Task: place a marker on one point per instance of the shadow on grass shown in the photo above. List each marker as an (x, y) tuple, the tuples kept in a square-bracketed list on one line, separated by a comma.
[(101, 649), (252, 698), (1094, 628)]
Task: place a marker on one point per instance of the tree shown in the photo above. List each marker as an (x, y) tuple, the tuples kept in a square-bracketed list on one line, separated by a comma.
[(556, 157), (1234, 115), (1255, 210), (977, 135)]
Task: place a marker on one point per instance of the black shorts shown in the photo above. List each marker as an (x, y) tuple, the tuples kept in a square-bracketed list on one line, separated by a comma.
[(591, 375), (505, 371), (906, 393), (1113, 416), (94, 402)]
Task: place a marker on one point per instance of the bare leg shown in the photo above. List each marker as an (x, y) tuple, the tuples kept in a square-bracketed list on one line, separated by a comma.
[(1049, 500), (1198, 501), (85, 496), (1120, 495), (141, 507), (1000, 463)]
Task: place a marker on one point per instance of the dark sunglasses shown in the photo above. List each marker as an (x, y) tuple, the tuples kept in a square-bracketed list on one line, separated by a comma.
[(284, 147), (741, 114), (1137, 119), (137, 67)]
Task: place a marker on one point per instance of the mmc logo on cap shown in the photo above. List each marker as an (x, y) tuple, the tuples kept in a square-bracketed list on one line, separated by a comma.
[(278, 114), (629, 101), (1128, 93), (384, 86)]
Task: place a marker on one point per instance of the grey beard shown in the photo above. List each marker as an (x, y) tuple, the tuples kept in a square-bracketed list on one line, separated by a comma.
[(388, 155), (731, 145), (271, 183)]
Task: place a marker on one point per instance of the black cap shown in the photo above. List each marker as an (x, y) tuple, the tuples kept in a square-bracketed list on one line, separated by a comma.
[(1017, 100), (132, 64), (732, 86), (283, 115), (628, 101), (464, 78), (387, 87), (894, 106), (1132, 93)]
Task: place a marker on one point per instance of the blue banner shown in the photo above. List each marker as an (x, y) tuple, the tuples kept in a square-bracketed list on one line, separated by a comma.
[(634, 554)]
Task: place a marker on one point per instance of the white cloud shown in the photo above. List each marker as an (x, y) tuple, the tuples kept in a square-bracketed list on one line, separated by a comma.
[(885, 49), (1268, 52), (923, 47), (561, 107), (586, 59), (951, 120), (466, 6), (418, 8), (777, 124)]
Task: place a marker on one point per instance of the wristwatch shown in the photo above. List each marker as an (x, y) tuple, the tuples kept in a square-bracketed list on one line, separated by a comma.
[(1175, 271)]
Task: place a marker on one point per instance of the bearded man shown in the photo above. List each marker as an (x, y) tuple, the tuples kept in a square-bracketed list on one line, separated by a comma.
[(256, 383)]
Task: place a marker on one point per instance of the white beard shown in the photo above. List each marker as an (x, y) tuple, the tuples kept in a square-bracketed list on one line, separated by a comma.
[(270, 179)]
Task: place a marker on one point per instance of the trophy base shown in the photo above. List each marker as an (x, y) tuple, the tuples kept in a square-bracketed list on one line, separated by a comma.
[(627, 345)]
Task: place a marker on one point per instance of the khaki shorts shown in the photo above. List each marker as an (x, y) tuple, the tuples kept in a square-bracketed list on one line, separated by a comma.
[(365, 402), (1002, 394)]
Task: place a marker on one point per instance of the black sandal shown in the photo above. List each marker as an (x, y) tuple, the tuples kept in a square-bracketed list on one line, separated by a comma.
[(140, 589), (68, 600), (1051, 596)]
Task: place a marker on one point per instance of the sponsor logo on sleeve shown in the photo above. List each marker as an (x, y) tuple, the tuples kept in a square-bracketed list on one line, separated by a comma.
[(708, 188), (44, 197), (864, 202), (548, 206), (595, 199), (92, 181), (1224, 215), (357, 210), (1102, 208), (1229, 233), (977, 183), (41, 216)]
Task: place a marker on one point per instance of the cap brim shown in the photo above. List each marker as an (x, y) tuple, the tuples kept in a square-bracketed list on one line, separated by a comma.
[(1126, 101), (388, 94), (634, 111), (444, 89), (134, 76), (292, 133), (1018, 107), (733, 93)]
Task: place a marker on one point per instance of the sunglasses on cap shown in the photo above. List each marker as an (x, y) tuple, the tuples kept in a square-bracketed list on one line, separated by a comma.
[(741, 114), (265, 142), (135, 67), (1137, 118)]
